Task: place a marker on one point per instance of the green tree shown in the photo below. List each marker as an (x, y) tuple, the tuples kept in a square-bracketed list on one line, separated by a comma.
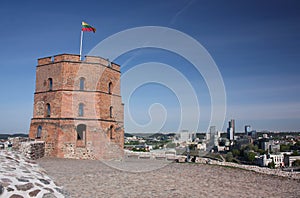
[(236, 152), (250, 156), (295, 153), (261, 151), (271, 165), (171, 145), (229, 157), (285, 147), (296, 163), (255, 148)]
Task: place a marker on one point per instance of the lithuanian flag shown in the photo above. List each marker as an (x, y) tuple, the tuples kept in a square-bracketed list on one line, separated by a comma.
[(87, 28)]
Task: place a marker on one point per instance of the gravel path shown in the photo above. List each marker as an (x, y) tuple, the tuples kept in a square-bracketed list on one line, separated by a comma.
[(87, 178)]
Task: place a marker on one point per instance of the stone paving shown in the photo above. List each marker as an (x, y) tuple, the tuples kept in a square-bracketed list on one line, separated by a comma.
[(22, 178), (155, 178)]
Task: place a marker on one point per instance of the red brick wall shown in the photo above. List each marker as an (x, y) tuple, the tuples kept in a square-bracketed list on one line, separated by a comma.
[(59, 131)]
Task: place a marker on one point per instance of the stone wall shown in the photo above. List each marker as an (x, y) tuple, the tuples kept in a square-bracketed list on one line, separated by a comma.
[(263, 170), (17, 142), (33, 150)]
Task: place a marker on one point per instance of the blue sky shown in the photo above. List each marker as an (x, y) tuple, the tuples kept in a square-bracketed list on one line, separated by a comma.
[(255, 44)]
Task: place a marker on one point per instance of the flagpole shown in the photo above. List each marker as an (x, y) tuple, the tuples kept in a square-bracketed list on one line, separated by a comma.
[(81, 38)]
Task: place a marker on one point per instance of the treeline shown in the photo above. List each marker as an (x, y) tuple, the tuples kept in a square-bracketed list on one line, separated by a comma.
[(6, 136)]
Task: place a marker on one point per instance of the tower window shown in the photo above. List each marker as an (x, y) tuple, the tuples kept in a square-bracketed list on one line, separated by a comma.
[(111, 130), (81, 83), (80, 109), (110, 111), (50, 84), (48, 110), (80, 130), (39, 132), (110, 87)]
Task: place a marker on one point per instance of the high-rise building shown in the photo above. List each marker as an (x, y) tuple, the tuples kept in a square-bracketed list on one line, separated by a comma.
[(247, 129), (213, 135), (231, 130), (78, 109), (253, 134), (212, 131)]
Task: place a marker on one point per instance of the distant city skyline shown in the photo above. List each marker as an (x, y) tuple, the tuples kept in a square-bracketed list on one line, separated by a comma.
[(255, 45)]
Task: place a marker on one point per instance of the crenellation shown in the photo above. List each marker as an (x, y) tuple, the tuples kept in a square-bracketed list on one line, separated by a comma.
[(67, 57), (115, 66), (44, 61), (95, 59)]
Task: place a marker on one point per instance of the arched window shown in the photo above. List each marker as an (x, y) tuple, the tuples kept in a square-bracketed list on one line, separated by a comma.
[(48, 110), (50, 84), (80, 130), (80, 109), (110, 87), (81, 83), (111, 130), (110, 111), (39, 132)]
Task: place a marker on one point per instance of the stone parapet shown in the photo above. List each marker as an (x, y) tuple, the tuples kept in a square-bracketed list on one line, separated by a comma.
[(263, 170)]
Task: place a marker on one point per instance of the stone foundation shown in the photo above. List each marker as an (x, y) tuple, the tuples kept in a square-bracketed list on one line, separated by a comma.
[(33, 150)]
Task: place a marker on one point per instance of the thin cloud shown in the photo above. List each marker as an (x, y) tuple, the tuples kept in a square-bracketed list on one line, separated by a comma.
[(178, 13)]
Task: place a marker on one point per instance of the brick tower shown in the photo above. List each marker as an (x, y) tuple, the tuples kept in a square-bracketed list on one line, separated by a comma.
[(78, 109)]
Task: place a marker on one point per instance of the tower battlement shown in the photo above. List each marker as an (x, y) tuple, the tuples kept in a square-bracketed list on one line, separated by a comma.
[(76, 58)]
